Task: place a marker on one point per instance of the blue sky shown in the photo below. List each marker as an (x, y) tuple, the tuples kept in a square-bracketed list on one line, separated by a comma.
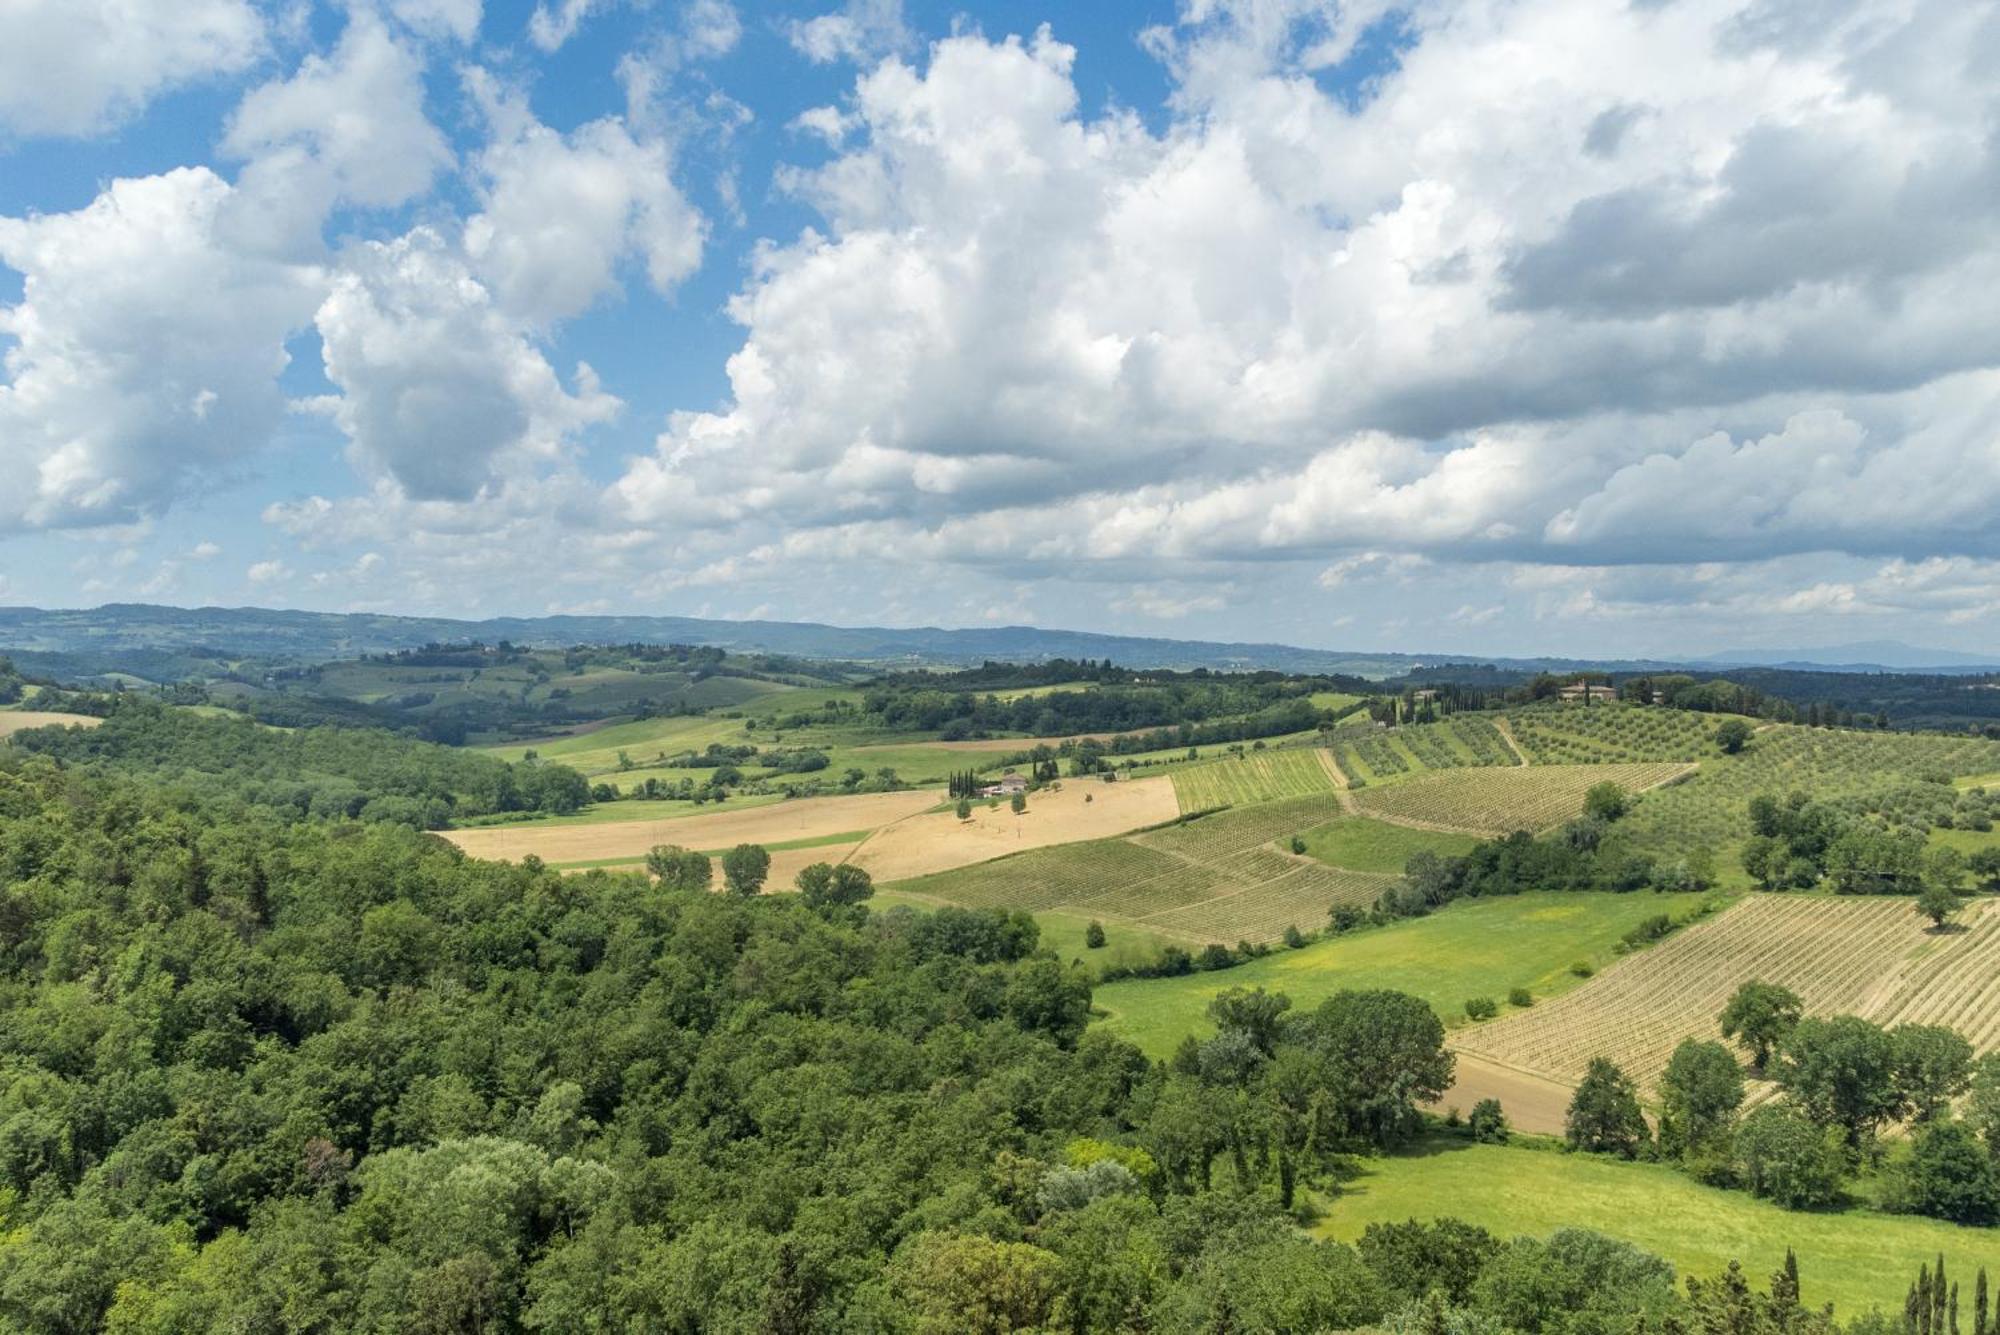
[(1473, 325)]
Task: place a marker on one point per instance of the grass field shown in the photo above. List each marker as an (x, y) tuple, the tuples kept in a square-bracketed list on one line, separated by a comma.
[(1258, 776), (1869, 956), (1471, 949), (1496, 801), (20, 720), (1220, 878), (1360, 843), (1855, 1260)]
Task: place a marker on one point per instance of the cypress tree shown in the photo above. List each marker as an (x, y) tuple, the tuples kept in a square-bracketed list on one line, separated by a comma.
[(1979, 1308)]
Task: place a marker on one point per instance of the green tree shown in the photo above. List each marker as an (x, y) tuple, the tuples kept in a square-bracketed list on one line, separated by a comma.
[(1951, 1176), (1982, 1107), (824, 885), (964, 809), (1841, 1072), (1606, 801), (1018, 802), (1760, 1016), (1785, 1157), (1604, 1115), (1700, 1091), (1093, 935), (1732, 735), (679, 868), (1937, 901), (745, 868), (1933, 1067), (1384, 1053)]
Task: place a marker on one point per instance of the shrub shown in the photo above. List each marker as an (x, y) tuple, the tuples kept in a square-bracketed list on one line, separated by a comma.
[(1520, 996), (1093, 936), (1488, 1124), (1481, 1008), (1582, 968)]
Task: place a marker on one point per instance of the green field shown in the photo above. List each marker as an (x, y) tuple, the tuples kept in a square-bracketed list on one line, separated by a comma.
[(1362, 844), (1496, 801), (1856, 1260), (1258, 776), (1126, 944), (1470, 949)]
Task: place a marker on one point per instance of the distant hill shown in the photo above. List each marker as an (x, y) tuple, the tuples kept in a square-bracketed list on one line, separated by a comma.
[(1861, 656), (171, 641)]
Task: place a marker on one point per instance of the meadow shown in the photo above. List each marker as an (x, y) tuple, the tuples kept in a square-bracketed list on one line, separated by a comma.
[(1361, 843), (1473, 948), (1855, 1259)]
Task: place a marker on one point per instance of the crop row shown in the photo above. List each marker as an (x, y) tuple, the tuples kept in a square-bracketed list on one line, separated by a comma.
[(1496, 801), (1610, 733), (1260, 776), (1834, 953)]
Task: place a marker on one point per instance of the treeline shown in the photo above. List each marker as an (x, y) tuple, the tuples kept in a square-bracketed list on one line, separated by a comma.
[(318, 773), (1843, 1081), (1581, 855), (1797, 843), (1188, 709)]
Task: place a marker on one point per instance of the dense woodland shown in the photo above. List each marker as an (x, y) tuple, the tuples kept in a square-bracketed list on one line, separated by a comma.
[(321, 772), (267, 1073)]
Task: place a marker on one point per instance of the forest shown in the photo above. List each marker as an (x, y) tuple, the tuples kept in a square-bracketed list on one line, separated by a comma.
[(274, 1073)]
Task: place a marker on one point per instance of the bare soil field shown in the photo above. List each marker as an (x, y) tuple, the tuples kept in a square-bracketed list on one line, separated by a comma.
[(780, 822), (1533, 1103), (20, 720), (1869, 956), (1082, 809)]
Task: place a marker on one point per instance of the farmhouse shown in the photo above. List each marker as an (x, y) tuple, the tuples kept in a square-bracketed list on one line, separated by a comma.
[(1010, 784), (1585, 692)]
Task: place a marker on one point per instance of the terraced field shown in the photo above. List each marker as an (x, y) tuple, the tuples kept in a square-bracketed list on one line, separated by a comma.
[(1869, 956), (1259, 776), (1219, 878), (1497, 801)]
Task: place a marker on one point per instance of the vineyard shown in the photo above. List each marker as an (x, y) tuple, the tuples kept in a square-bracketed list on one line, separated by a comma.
[(1498, 801), (1218, 878), (1853, 769), (1260, 776), (1865, 956), (1611, 734), (1416, 748)]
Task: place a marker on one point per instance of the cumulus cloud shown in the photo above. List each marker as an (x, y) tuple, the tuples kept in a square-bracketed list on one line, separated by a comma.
[(440, 391), (146, 353), (349, 128), (1533, 294), (560, 212), (457, 19), (549, 27), (72, 67)]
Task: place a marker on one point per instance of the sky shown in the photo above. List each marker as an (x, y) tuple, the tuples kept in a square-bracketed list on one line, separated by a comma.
[(1479, 326)]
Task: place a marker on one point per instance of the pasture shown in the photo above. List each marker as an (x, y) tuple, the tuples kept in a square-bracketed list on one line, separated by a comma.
[(1473, 948), (1856, 1259), (1255, 776), (1361, 843), (1861, 955), (1497, 801)]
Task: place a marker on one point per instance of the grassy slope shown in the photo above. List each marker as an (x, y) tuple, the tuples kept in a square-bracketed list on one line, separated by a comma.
[(1482, 948), (1360, 844), (1855, 1259)]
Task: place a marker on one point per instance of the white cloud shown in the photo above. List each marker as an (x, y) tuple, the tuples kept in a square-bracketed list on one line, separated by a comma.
[(72, 67), (1448, 319), (268, 572), (559, 212), (860, 31), (440, 391), (147, 350), (204, 551), (458, 19), (349, 128), (549, 28)]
